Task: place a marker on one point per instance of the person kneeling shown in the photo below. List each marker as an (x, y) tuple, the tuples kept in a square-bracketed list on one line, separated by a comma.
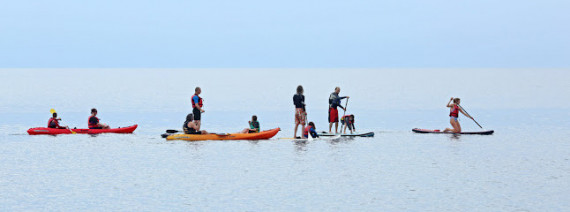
[(190, 127), (310, 129), (253, 126)]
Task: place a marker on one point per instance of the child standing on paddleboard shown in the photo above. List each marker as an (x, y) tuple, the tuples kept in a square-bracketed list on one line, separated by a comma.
[(454, 115)]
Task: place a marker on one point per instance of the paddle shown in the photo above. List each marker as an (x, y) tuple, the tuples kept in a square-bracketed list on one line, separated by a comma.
[(52, 111), (470, 115), (343, 114)]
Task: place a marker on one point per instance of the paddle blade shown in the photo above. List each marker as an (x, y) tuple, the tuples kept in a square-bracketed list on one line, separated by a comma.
[(172, 131), (52, 111), (164, 135)]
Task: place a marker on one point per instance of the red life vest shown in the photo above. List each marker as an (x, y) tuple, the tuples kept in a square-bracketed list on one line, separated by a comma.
[(199, 101), (52, 120), (90, 124), (307, 130), (454, 111)]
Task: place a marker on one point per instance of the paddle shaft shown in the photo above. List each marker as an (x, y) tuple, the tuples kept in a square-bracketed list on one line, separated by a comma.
[(344, 113), (471, 116)]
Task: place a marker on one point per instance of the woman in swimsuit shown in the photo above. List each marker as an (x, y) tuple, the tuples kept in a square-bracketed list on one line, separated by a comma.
[(454, 115)]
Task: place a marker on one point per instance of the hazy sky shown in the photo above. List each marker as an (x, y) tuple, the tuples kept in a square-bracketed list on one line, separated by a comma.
[(284, 33)]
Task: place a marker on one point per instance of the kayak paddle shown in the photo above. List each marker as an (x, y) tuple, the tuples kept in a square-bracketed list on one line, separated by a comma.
[(344, 113), (470, 115)]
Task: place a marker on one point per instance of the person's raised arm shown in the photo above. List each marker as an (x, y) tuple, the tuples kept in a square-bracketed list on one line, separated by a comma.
[(449, 103)]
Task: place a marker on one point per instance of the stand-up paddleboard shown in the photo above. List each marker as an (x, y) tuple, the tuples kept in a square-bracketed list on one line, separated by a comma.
[(315, 139), (367, 134), (487, 132)]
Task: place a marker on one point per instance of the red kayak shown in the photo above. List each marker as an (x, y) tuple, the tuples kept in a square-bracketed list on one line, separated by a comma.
[(52, 131), (488, 132)]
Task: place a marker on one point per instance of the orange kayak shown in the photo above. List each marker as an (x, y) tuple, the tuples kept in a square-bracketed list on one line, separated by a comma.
[(233, 136)]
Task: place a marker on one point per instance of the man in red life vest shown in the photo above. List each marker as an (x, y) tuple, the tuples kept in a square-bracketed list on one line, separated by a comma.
[(197, 107), (53, 122), (93, 121)]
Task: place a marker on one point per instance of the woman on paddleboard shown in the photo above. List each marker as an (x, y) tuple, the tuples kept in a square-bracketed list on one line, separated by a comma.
[(300, 112), (454, 115)]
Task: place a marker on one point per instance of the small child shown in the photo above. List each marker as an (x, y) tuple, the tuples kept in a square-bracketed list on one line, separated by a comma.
[(310, 129), (348, 121), (253, 126)]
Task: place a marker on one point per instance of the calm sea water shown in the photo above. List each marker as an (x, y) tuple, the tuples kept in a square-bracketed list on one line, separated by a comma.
[(524, 166)]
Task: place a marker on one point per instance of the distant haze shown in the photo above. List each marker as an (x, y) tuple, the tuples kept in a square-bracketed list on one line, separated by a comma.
[(284, 34)]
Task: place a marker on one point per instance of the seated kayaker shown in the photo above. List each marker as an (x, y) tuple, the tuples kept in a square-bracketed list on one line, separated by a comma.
[(190, 127), (348, 121), (53, 122), (310, 129), (253, 126), (94, 123)]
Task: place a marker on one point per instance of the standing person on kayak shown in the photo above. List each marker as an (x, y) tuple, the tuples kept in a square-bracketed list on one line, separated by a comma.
[(300, 112), (334, 102), (190, 127), (94, 123), (53, 122), (310, 130), (197, 103), (454, 115)]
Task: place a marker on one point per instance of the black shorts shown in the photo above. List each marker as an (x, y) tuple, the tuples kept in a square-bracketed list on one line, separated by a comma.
[(96, 128), (197, 114)]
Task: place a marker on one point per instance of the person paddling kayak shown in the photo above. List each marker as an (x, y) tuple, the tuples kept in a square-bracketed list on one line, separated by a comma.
[(253, 126), (310, 130), (197, 103), (334, 102), (94, 123), (300, 112), (190, 127), (53, 122), (454, 115)]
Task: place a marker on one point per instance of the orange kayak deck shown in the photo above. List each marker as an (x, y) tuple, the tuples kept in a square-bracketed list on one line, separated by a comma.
[(233, 136)]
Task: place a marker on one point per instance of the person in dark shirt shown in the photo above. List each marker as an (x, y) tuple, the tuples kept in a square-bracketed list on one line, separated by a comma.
[(300, 112), (190, 127), (94, 123), (334, 102)]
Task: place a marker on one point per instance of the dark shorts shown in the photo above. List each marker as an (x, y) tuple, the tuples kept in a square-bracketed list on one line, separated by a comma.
[(96, 128), (197, 114), (333, 115)]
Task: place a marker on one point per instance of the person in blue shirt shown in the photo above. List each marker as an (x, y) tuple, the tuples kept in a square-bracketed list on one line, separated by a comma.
[(197, 103)]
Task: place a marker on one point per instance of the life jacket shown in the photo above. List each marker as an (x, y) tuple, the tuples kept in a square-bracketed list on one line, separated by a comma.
[(254, 126), (454, 111), (307, 130), (199, 101), (53, 123), (345, 118), (92, 125)]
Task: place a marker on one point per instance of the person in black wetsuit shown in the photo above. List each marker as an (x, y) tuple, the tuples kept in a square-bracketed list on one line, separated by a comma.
[(190, 127), (300, 112)]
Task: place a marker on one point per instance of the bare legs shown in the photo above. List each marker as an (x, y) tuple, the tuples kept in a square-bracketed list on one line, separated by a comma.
[(335, 127), (456, 126)]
